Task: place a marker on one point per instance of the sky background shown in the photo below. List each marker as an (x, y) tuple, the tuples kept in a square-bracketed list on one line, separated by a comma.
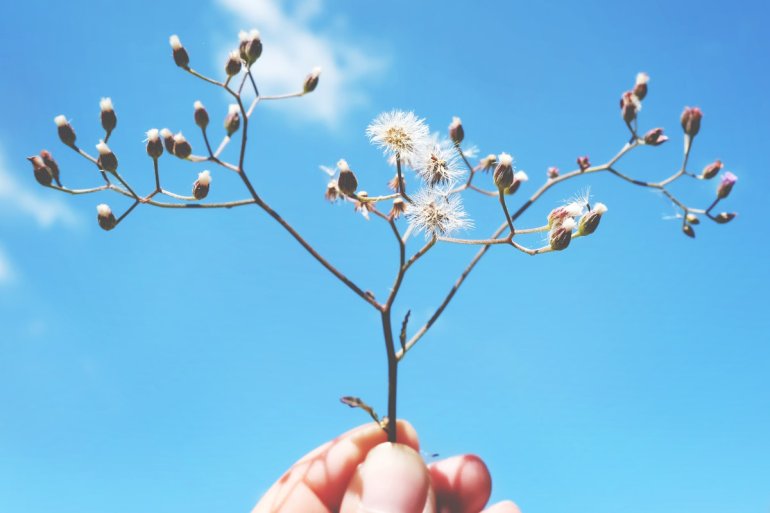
[(181, 362)]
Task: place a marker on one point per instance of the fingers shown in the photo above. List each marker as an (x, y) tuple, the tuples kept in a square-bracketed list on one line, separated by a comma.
[(392, 479), (317, 482), (503, 507), (462, 484)]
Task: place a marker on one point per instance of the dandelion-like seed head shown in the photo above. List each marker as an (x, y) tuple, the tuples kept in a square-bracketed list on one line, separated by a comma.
[(204, 178), (435, 212), (103, 210), (102, 148), (399, 133), (60, 120), (439, 165)]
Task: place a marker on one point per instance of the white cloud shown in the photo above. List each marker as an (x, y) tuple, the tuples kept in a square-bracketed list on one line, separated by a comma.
[(17, 196), (6, 271), (292, 48)]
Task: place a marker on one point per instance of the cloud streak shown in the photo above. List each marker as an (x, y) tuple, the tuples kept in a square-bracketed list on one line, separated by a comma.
[(293, 49)]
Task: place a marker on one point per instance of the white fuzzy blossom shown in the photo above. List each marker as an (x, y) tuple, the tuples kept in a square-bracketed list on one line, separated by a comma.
[(399, 133), (438, 164), (435, 213)]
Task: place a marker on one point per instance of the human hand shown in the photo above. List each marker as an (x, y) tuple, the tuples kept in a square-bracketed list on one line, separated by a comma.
[(358, 472)]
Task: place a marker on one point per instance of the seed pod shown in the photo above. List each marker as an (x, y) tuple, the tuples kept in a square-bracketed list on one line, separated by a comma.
[(691, 118), (712, 170), (168, 140), (233, 119), (456, 131), (640, 88), (105, 217), (311, 81), (179, 53), (233, 64), (503, 175), (250, 47), (655, 137), (590, 221), (42, 172), (688, 230), (201, 186), (347, 182), (107, 160), (51, 164), (108, 117), (200, 115), (66, 132), (182, 148), (725, 217), (561, 236), (154, 145)]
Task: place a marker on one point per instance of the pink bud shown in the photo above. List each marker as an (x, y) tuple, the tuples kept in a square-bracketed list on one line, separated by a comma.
[(583, 162), (712, 170), (655, 137), (691, 118)]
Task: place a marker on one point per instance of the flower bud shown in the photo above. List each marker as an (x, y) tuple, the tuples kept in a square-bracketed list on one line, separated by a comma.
[(346, 182), (105, 217), (200, 115), (629, 106), (43, 173), (503, 175), (108, 117), (180, 54), (640, 89), (154, 145), (655, 137), (726, 185), (107, 160), (456, 132), (201, 186), (691, 118), (399, 207), (51, 164), (332, 193), (394, 185), (250, 47), (688, 230), (311, 81), (590, 221), (233, 119), (553, 172), (583, 162), (182, 148), (233, 64), (725, 217), (712, 170), (66, 132), (692, 219), (168, 140), (489, 162), (560, 236), (518, 178)]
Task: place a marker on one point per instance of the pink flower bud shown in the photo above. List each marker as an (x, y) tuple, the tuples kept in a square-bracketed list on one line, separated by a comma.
[(561, 235), (726, 185), (655, 137), (43, 173), (179, 53), (553, 172), (51, 164), (712, 170), (456, 132), (583, 162), (629, 106), (691, 118), (640, 89)]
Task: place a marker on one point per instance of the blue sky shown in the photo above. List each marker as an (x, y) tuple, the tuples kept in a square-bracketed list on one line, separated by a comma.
[(184, 360)]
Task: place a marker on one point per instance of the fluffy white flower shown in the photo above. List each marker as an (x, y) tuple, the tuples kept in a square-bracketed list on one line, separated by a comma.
[(438, 164), (105, 104), (399, 132), (435, 212)]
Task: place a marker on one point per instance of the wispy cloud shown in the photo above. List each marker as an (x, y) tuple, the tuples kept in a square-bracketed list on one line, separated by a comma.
[(19, 198), (295, 42), (7, 273)]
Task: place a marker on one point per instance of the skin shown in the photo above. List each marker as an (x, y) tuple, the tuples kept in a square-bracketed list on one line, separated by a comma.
[(359, 472)]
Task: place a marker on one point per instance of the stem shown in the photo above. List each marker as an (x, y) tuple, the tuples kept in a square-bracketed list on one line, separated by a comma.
[(390, 347)]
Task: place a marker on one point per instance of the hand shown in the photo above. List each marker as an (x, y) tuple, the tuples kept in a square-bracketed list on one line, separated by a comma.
[(359, 473)]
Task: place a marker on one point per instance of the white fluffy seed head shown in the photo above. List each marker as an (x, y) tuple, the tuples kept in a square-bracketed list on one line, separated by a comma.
[(642, 78), (105, 104), (179, 138), (235, 55), (204, 178), (521, 176), (253, 34), (600, 208), (438, 164), (435, 213), (233, 108), (166, 133), (342, 165), (316, 72), (60, 120), (505, 159), (102, 148), (198, 105), (399, 132), (569, 224), (175, 43), (574, 209), (103, 210), (152, 134)]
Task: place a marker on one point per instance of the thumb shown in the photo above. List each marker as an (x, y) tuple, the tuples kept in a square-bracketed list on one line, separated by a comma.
[(392, 479)]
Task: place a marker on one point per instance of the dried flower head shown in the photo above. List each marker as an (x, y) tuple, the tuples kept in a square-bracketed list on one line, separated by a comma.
[(182, 148), (399, 133), (181, 58), (154, 144), (311, 81), (43, 173), (399, 207), (200, 115), (456, 131), (66, 132), (108, 118), (488, 163), (435, 212), (233, 119), (233, 64), (439, 165), (168, 139), (201, 186), (640, 88), (560, 236), (107, 160), (347, 183), (250, 46), (105, 217), (503, 175)]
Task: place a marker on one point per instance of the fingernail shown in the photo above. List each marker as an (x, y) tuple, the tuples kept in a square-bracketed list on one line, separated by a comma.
[(394, 480)]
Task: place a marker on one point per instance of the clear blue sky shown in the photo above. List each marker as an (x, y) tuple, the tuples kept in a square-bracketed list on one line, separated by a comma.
[(181, 362)]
